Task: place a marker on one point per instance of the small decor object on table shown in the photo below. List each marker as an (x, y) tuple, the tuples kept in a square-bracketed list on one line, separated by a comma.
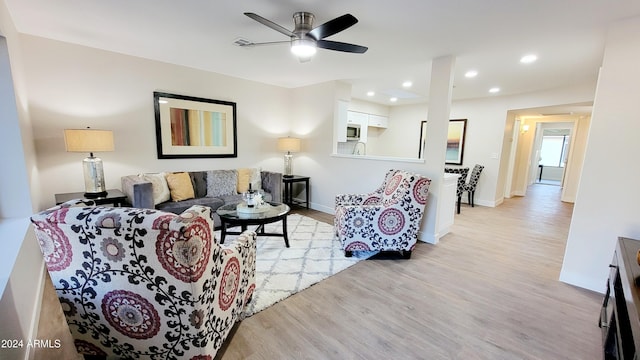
[(253, 203)]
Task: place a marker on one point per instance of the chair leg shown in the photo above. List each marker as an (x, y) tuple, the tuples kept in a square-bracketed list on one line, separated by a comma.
[(459, 198), (469, 198), (472, 195), (406, 254), (348, 253)]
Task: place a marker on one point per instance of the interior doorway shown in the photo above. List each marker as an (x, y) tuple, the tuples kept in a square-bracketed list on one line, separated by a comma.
[(551, 152), (545, 146)]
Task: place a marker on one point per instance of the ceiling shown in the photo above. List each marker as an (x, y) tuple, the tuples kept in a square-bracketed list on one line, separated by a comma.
[(402, 36)]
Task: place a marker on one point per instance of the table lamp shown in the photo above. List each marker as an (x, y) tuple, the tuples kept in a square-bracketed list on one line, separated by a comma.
[(90, 140), (288, 144)]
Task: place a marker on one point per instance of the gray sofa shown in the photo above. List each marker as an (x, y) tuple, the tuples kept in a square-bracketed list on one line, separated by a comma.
[(207, 187)]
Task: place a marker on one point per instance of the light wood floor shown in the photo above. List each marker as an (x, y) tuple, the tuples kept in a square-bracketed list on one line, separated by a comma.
[(488, 290)]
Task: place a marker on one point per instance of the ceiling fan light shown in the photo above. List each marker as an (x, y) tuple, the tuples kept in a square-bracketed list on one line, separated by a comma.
[(303, 48)]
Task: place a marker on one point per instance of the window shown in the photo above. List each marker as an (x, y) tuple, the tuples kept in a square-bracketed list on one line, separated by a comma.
[(553, 151)]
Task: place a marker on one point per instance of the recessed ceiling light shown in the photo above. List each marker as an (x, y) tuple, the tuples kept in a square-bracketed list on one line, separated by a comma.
[(471, 74), (393, 99), (528, 59), (407, 84), (494, 90), (370, 93)]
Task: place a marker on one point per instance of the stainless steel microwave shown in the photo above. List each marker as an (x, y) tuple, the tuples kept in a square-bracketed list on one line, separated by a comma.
[(353, 132)]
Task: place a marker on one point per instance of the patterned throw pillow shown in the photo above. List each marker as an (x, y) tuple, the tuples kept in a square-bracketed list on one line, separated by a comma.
[(180, 186), (221, 182), (160, 188)]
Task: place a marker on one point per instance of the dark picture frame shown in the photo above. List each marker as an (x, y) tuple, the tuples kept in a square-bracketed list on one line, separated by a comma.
[(456, 137), (423, 138), (193, 127)]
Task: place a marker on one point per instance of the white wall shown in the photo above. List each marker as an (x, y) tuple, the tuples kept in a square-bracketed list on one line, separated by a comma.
[(607, 201), (78, 86), (21, 264)]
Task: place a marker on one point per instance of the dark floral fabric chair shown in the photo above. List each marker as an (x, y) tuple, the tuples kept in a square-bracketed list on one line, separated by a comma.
[(140, 283), (462, 180), (387, 219), (470, 187)]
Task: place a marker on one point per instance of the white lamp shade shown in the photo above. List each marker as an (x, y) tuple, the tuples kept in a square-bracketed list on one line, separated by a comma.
[(88, 140), (289, 144)]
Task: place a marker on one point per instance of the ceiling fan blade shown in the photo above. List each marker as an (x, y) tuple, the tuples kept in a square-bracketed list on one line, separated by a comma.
[(270, 24), (332, 26), (340, 46)]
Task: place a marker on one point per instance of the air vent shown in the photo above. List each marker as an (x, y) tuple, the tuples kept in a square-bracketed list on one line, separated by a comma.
[(242, 42)]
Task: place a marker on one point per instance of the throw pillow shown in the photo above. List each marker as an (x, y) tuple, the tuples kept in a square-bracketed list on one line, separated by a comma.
[(248, 176), (221, 182), (180, 186), (160, 188), (199, 180)]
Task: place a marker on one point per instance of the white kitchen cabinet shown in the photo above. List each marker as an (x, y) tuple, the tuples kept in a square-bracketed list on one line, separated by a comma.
[(378, 121), (354, 117)]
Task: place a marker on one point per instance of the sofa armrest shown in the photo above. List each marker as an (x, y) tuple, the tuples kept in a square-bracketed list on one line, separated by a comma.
[(272, 183), (138, 190)]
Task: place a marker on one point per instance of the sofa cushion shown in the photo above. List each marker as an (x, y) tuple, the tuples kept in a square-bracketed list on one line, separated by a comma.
[(178, 207), (160, 187), (180, 186), (199, 180), (221, 182)]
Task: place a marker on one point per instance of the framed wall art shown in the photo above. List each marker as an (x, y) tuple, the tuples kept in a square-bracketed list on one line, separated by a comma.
[(192, 127), (423, 139), (455, 141)]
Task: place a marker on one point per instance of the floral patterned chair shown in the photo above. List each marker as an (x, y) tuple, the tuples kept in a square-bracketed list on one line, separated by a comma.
[(140, 283), (387, 219)]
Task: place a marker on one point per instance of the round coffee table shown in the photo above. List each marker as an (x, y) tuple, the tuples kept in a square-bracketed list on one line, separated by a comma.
[(230, 217)]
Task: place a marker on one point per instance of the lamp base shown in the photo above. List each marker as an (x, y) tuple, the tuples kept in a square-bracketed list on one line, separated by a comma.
[(95, 195), (93, 177), (287, 165)]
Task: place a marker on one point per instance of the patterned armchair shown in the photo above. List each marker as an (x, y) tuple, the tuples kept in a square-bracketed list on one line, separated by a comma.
[(462, 180), (387, 219), (140, 283), (470, 187)]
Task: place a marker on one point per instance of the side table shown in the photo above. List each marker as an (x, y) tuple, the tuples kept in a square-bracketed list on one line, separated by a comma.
[(288, 189), (114, 196)]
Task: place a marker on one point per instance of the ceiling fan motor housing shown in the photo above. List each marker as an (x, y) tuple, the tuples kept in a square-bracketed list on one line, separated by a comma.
[(303, 23)]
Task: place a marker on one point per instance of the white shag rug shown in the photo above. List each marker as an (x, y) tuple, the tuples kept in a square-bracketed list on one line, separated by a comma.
[(314, 255)]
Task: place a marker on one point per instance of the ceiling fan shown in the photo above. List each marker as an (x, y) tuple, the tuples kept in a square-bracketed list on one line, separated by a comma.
[(305, 39)]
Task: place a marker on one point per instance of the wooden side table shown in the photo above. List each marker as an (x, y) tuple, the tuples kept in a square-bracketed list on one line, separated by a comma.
[(288, 189), (114, 196)]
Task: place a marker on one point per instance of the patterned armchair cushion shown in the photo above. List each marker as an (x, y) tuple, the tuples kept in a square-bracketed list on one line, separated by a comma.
[(372, 198), (140, 283), (391, 224)]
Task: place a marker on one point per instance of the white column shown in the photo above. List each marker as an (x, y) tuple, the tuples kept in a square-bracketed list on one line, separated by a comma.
[(439, 108)]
